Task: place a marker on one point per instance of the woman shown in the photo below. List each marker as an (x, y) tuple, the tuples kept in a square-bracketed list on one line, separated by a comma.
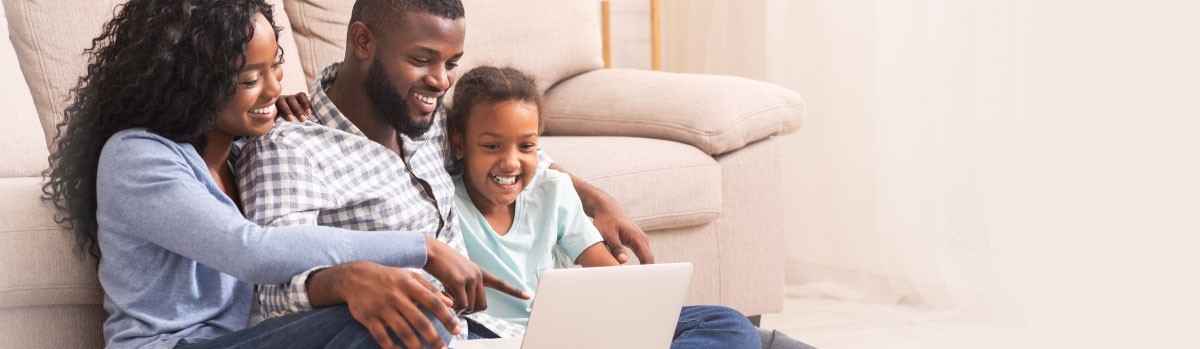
[(141, 174)]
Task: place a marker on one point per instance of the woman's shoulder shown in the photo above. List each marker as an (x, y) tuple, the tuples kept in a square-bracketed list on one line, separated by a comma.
[(137, 139), (134, 146)]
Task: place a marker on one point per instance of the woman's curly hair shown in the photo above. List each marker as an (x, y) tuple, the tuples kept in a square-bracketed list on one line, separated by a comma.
[(168, 66)]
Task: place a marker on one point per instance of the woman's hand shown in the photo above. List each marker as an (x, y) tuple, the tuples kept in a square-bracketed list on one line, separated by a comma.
[(294, 108)]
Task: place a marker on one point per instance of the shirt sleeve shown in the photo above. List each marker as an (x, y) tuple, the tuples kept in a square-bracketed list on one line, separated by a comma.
[(575, 230), (146, 188), (280, 186)]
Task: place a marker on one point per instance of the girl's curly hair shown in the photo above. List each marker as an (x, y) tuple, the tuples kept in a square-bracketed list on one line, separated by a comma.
[(168, 66), (488, 84)]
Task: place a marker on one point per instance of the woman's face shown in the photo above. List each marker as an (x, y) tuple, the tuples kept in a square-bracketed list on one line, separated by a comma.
[(251, 111)]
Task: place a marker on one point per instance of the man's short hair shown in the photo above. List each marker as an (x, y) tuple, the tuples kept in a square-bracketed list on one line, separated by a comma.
[(381, 14)]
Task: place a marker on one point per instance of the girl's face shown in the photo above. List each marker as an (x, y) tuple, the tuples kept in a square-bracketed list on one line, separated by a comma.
[(251, 111), (499, 147)]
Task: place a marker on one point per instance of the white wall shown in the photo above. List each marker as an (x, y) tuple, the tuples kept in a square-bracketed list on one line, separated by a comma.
[(630, 33), (822, 49)]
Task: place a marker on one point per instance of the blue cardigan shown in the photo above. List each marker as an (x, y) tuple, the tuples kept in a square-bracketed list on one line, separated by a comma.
[(179, 259)]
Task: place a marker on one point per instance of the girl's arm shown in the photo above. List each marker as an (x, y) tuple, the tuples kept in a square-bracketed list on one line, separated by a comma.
[(596, 255)]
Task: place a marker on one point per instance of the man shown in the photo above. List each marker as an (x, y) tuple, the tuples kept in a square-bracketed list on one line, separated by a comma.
[(380, 163)]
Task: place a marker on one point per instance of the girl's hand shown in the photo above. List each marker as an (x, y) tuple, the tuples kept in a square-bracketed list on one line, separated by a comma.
[(294, 108)]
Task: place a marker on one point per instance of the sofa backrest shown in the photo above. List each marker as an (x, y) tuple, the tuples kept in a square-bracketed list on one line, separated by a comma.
[(49, 38), (551, 39), (24, 147)]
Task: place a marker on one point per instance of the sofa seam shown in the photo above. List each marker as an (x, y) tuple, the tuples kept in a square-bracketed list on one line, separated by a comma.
[(649, 170), (668, 215), (582, 116), (302, 10), (53, 287), (5, 231), (37, 45)]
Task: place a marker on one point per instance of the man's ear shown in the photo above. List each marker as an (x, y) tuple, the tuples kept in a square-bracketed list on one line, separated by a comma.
[(362, 41)]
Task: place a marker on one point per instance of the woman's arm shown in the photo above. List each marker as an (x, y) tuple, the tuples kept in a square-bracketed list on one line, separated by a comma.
[(147, 189)]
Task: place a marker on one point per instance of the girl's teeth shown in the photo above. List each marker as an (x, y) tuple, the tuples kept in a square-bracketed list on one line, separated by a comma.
[(503, 180)]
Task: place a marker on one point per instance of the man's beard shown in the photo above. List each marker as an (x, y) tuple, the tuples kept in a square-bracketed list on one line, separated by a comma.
[(391, 105)]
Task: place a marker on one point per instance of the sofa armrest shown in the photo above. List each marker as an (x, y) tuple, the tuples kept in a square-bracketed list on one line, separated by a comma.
[(714, 113)]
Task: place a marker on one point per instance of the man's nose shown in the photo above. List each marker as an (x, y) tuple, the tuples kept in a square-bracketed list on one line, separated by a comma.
[(438, 78)]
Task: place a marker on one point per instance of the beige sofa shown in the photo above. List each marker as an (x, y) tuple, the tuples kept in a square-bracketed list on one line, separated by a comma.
[(690, 157)]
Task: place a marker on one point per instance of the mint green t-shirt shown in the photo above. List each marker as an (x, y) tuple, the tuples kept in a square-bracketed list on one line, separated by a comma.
[(548, 215)]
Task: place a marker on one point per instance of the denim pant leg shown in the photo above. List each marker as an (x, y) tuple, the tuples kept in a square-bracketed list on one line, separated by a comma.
[(709, 326), (323, 328)]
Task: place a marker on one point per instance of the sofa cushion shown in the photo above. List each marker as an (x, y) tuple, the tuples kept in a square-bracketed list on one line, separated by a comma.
[(41, 264), (717, 114), (660, 184), (550, 39), (50, 49), (62, 326), (21, 137)]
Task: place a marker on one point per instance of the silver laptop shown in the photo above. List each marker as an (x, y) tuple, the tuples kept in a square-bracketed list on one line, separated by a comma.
[(633, 306)]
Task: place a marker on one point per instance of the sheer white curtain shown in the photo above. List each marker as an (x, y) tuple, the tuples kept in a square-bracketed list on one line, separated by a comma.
[(960, 127), (923, 161)]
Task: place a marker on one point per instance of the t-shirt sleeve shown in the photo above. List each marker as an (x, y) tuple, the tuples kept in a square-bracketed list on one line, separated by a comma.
[(575, 230), (544, 160)]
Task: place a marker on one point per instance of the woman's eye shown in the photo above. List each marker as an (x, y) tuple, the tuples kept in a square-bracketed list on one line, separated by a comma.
[(491, 146), (250, 83), (529, 146)]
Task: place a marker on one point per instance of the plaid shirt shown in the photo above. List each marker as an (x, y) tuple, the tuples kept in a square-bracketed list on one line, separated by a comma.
[(327, 172)]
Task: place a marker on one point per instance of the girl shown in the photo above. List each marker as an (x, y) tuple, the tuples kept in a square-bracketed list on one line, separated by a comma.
[(514, 214), (141, 174)]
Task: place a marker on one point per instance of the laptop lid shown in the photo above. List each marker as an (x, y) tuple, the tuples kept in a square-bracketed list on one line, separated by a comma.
[(632, 306)]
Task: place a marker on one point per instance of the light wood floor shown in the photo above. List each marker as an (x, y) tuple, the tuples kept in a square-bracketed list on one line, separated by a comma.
[(834, 324)]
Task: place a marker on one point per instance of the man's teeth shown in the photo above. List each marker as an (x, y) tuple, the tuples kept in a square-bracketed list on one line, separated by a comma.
[(425, 99), (502, 180), (264, 110)]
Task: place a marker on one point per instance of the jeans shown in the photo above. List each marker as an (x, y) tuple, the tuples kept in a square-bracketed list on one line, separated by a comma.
[(709, 326), (323, 328)]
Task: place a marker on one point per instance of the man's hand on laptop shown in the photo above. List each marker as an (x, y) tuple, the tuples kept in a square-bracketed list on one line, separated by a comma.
[(381, 298), (463, 280)]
